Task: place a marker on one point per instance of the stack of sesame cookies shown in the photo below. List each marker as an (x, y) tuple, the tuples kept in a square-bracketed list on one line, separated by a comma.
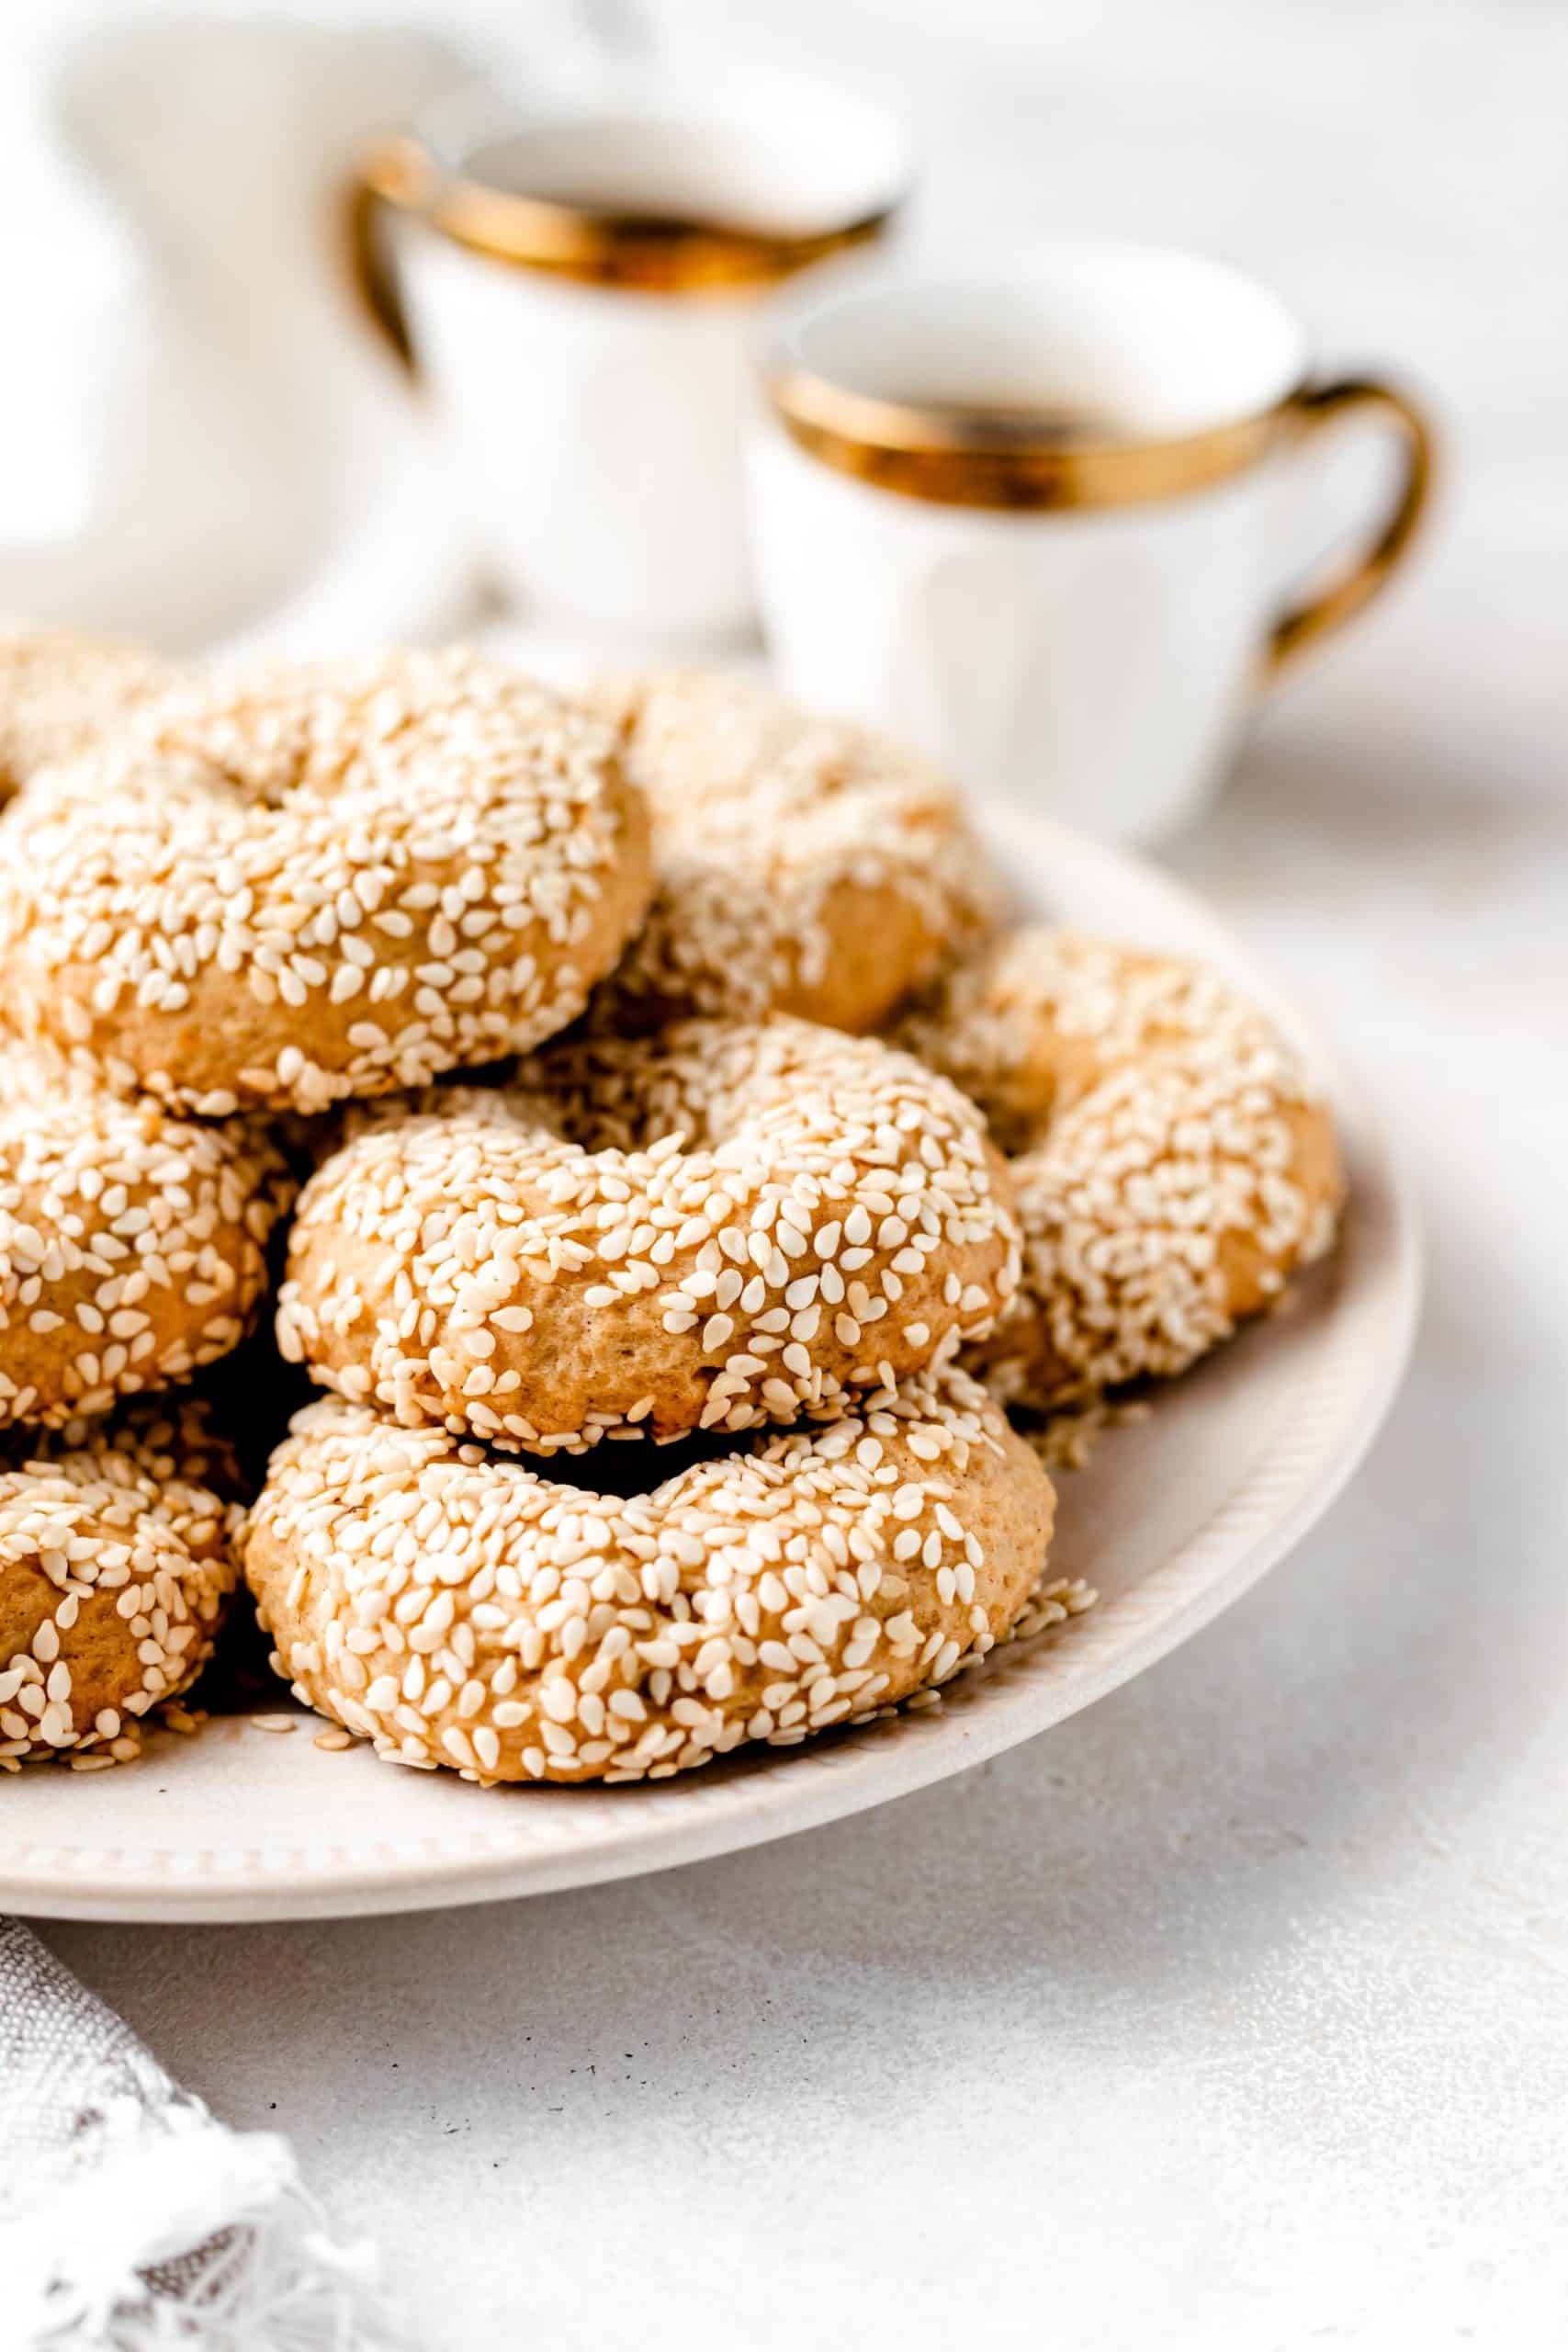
[(766, 1238), (220, 904), (642, 1087), (250, 932), (697, 1220)]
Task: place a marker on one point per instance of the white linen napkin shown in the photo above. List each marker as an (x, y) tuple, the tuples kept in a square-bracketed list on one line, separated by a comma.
[(131, 2220)]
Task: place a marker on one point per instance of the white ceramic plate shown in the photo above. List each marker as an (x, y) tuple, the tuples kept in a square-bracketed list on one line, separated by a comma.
[(1175, 1517)]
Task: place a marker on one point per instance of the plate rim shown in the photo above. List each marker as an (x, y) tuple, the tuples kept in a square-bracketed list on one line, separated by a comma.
[(828, 1781)]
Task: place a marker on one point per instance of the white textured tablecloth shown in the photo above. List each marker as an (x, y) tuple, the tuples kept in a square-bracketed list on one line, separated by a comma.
[(1234, 2013)]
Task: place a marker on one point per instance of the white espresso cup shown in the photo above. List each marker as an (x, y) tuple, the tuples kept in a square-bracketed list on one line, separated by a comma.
[(576, 287), (1040, 523)]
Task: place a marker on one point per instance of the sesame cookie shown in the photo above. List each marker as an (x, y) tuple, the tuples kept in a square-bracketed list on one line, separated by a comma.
[(60, 691), (803, 864), (727, 1224), (1172, 1166), (460, 1610), (133, 1244), (321, 882), (1169, 1204), (116, 1562), (1039, 1016)]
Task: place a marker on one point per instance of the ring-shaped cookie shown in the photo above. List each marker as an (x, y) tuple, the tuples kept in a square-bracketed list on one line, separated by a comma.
[(803, 864), (321, 882), (1173, 1165), (730, 1224), (132, 1243), (115, 1562), (460, 1610)]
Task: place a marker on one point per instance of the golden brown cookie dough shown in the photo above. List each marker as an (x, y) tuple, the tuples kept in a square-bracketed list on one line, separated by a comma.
[(60, 691), (321, 882), (133, 1244), (1173, 1167), (116, 1562), (459, 1609), (730, 1224), (803, 864)]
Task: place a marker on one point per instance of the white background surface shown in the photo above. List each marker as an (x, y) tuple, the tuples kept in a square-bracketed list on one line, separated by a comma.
[(1235, 2012)]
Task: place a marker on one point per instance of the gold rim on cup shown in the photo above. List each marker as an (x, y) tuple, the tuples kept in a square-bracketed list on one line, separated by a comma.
[(1013, 461), (641, 252)]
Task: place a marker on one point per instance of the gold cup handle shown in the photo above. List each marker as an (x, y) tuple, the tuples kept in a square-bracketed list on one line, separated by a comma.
[(371, 273), (1365, 575)]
